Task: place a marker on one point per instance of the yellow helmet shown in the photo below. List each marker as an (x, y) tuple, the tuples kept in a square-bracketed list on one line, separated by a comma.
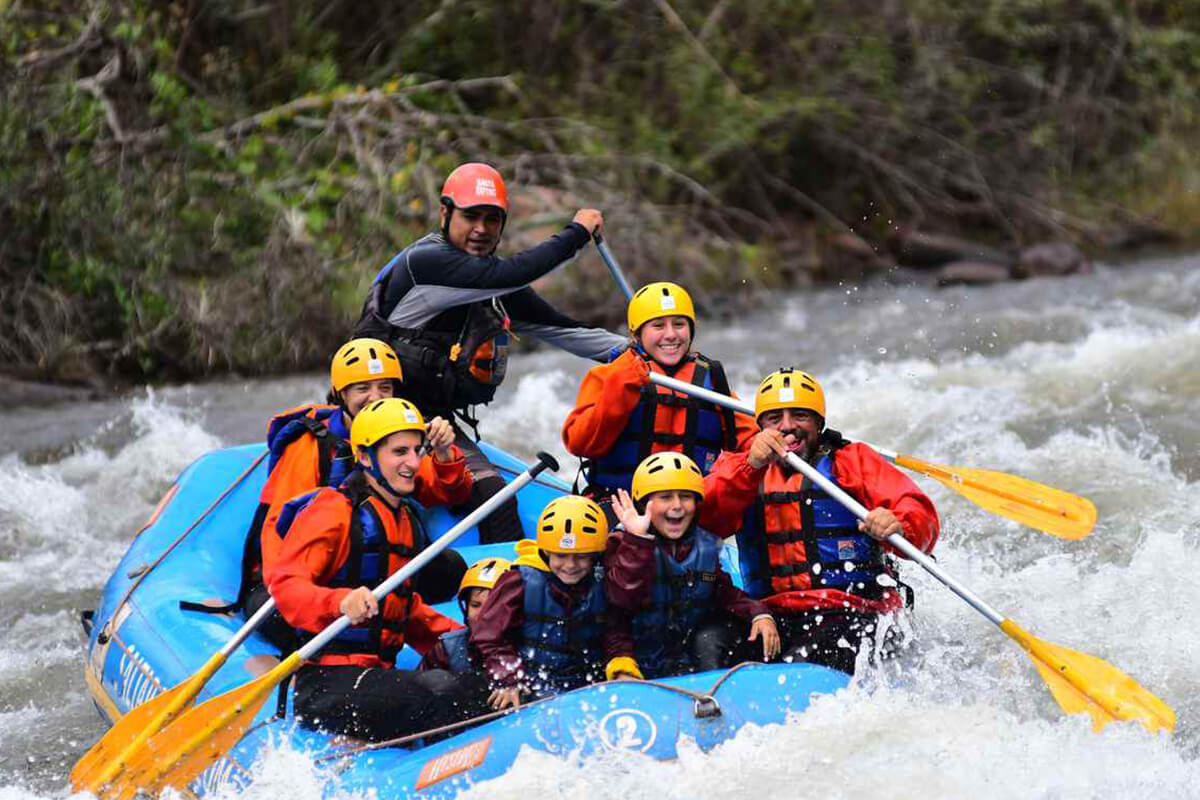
[(363, 360), (656, 300), (667, 472), (483, 574), (381, 419), (789, 388), (572, 524)]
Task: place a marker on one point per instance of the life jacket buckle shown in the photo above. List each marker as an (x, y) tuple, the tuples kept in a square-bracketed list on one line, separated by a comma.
[(706, 707)]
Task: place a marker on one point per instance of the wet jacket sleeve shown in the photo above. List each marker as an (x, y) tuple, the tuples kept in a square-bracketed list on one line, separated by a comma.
[(295, 473), (496, 629), (425, 626), (629, 566), (607, 396), (730, 487), (875, 483), (317, 544), (446, 265), (443, 483)]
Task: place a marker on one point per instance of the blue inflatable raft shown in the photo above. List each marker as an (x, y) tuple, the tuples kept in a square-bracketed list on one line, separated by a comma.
[(141, 642)]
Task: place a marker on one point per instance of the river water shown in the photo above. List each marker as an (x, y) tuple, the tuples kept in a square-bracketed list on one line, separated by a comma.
[(1090, 383)]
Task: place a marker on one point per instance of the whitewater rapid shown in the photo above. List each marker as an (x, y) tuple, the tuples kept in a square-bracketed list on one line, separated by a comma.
[(1090, 384)]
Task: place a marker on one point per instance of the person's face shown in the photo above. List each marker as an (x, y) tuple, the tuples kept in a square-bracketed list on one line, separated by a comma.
[(571, 568), (357, 395), (475, 600), (666, 339), (671, 513), (803, 425), (399, 458), (476, 229)]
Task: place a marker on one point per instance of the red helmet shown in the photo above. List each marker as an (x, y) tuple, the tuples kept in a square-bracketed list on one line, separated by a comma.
[(475, 185)]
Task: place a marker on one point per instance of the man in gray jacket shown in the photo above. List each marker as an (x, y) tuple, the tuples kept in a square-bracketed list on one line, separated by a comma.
[(447, 302)]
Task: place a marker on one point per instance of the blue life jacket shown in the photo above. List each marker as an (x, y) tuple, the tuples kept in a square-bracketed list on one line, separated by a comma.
[(821, 548), (682, 595), (707, 429), (560, 651), (458, 654), (366, 565)]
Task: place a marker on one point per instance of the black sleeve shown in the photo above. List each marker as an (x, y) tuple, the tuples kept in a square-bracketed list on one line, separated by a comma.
[(445, 265), (526, 305)]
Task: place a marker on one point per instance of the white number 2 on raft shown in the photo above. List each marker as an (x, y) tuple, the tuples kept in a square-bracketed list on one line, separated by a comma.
[(628, 729)]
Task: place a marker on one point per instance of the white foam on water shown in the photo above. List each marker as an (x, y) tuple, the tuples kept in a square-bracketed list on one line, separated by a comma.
[(530, 418), (70, 521), (881, 743)]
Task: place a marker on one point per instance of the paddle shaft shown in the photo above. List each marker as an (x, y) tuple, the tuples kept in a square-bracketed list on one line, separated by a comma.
[(431, 552), (610, 261)]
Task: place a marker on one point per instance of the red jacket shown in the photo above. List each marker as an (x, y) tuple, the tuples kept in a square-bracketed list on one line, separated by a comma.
[(629, 572), (733, 485), (608, 396), (318, 544)]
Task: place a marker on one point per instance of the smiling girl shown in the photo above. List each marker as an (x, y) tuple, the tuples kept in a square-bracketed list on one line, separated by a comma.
[(620, 418)]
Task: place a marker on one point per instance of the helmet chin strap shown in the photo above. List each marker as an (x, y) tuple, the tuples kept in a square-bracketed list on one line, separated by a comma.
[(375, 472)]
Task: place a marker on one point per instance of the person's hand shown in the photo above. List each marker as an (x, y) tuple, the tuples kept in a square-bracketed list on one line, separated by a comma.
[(439, 435), (591, 219), (767, 446), (501, 699), (879, 523), (627, 513), (360, 605), (764, 628), (641, 369)]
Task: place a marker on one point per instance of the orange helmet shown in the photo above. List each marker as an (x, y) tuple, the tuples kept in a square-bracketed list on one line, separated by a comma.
[(475, 184)]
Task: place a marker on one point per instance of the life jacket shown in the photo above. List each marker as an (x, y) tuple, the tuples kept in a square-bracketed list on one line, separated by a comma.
[(701, 432), (458, 654), (797, 538), (681, 596), (560, 651), (372, 559), (455, 360)]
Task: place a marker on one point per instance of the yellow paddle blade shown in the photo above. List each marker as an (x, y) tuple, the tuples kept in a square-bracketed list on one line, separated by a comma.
[(1053, 511), (128, 734), (1084, 684), (185, 748)]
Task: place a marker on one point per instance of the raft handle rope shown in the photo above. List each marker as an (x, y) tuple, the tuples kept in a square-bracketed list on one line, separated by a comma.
[(145, 570), (705, 705)]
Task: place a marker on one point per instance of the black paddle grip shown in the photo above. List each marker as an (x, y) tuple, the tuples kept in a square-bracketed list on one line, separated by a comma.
[(544, 460)]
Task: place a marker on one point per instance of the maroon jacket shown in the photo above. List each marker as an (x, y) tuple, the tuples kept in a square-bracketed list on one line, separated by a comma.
[(629, 572), (496, 630)]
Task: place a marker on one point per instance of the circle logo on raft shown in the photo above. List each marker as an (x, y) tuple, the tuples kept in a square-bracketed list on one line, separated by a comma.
[(628, 729)]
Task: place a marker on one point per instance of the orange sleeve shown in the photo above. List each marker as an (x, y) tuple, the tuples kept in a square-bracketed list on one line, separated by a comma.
[(729, 488), (868, 477), (443, 483), (316, 546), (295, 473), (747, 428), (607, 396), (425, 626)]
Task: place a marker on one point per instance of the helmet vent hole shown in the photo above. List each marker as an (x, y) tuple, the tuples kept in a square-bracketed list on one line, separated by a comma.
[(567, 525), (352, 360)]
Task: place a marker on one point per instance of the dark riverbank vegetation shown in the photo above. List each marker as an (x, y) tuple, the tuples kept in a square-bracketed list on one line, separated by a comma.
[(202, 186)]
